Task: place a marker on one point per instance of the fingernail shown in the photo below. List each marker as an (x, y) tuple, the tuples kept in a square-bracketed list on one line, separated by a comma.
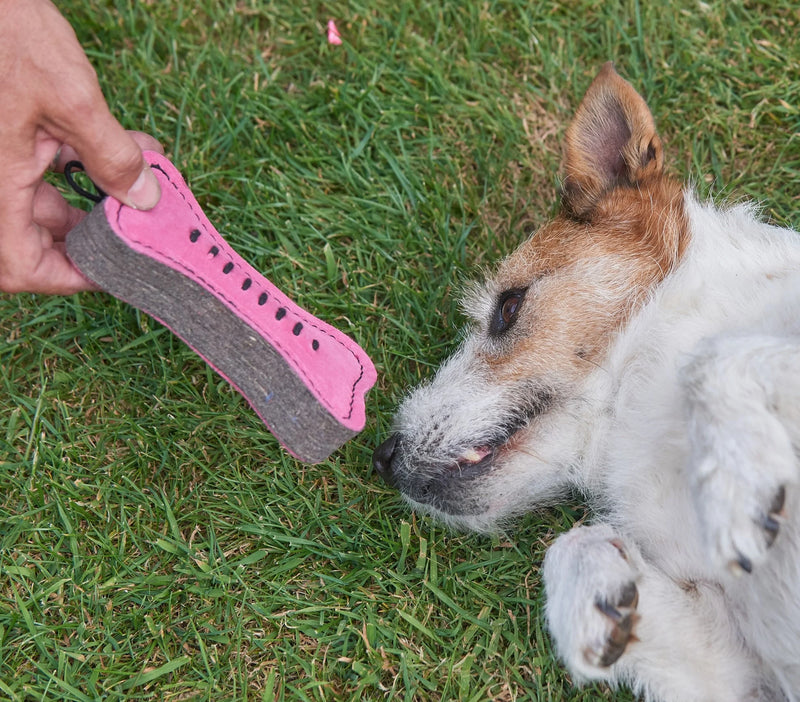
[(54, 162), (145, 193)]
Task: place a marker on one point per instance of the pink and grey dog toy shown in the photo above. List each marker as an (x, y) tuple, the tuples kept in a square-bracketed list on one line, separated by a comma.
[(305, 379)]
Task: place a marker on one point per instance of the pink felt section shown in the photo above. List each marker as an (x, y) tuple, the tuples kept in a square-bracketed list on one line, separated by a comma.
[(178, 234)]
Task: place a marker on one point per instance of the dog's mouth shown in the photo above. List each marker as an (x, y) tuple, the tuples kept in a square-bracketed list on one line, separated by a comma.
[(480, 459), (448, 487), (483, 457), (446, 484), (477, 459)]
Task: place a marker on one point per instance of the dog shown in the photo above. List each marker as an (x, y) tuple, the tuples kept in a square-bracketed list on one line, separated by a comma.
[(642, 349)]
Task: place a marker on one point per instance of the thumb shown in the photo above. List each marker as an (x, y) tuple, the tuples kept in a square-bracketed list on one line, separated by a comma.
[(114, 161), (65, 96)]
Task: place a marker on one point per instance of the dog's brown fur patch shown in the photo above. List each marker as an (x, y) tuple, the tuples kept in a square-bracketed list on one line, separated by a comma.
[(622, 229)]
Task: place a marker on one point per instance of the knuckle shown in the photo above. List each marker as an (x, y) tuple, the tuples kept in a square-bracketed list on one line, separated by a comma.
[(122, 163), (82, 99)]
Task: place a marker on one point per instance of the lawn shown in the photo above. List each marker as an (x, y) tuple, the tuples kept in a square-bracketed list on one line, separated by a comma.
[(155, 542)]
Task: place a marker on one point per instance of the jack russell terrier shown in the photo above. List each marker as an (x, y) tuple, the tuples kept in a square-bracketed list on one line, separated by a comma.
[(642, 349)]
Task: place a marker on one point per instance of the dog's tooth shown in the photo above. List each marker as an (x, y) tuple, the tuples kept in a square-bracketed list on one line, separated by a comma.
[(471, 455), (475, 454)]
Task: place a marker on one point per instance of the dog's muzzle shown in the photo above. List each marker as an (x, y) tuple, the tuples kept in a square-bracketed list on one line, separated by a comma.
[(433, 487)]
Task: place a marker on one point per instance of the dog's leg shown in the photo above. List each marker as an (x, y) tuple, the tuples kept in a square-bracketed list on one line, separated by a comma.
[(615, 618), (744, 426)]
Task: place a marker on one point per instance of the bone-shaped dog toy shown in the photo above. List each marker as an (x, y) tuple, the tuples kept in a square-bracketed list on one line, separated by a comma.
[(305, 379)]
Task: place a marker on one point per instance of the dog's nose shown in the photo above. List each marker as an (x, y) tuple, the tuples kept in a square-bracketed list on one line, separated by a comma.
[(382, 458)]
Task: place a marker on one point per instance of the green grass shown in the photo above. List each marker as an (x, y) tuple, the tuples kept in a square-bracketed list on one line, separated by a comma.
[(155, 543)]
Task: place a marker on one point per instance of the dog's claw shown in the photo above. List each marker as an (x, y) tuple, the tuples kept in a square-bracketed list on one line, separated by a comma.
[(778, 501), (623, 615), (771, 526), (772, 520), (742, 564)]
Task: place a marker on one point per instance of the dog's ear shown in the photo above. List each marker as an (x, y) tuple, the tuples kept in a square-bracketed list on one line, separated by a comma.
[(612, 141)]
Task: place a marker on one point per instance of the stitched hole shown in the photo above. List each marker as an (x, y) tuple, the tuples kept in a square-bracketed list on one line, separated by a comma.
[(247, 283), (315, 344), (213, 251), (262, 298), (194, 235), (297, 329), (228, 267), (281, 313)]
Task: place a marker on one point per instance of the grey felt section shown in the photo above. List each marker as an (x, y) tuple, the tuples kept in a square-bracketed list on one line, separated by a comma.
[(227, 343)]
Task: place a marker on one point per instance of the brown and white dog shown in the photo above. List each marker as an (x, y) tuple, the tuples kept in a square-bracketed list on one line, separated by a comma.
[(644, 349)]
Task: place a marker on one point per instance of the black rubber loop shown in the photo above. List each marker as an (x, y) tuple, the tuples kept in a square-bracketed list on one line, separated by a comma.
[(69, 169)]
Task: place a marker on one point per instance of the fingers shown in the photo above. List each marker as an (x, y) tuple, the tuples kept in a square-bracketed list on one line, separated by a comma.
[(112, 156), (37, 264), (52, 212), (53, 97), (32, 256), (32, 252)]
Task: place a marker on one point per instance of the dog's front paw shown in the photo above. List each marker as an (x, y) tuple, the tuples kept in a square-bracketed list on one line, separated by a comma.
[(592, 596), (741, 395), (740, 523), (740, 483)]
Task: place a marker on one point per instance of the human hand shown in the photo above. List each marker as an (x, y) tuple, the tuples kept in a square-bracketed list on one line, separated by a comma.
[(54, 111)]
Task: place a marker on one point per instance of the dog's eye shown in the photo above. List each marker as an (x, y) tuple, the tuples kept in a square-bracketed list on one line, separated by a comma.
[(508, 306), (509, 309)]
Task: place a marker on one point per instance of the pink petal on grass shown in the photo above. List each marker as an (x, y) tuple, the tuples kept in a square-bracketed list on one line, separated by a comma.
[(333, 33)]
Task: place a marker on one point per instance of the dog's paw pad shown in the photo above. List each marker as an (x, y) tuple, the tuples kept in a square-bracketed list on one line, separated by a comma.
[(620, 613)]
